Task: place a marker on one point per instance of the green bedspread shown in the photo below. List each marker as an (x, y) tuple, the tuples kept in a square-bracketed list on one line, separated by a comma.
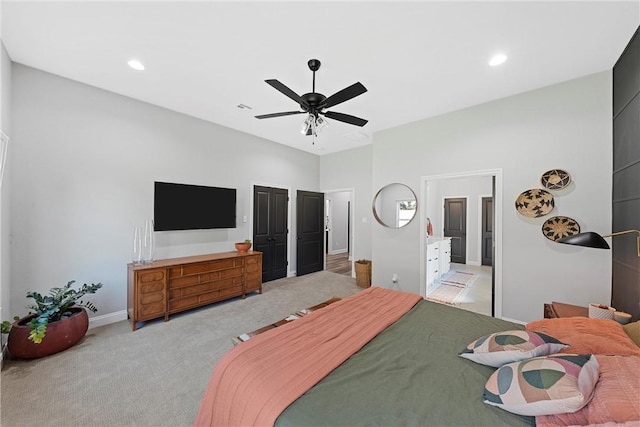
[(410, 374)]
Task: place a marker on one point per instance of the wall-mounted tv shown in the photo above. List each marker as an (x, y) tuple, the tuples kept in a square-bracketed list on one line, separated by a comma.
[(193, 207)]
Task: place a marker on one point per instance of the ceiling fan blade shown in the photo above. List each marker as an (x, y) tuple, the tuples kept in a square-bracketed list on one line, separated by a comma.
[(344, 95), (352, 120), (286, 113), (288, 92)]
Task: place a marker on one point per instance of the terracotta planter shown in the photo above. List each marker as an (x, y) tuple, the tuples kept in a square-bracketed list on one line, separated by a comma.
[(60, 335), (243, 247)]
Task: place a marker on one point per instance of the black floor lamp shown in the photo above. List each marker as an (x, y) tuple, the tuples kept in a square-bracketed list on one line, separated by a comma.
[(594, 240)]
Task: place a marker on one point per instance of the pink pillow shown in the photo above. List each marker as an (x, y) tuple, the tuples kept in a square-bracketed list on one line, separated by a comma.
[(587, 336), (615, 398)]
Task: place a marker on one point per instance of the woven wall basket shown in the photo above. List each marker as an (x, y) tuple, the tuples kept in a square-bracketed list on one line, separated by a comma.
[(558, 227), (555, 179), (535, 203)]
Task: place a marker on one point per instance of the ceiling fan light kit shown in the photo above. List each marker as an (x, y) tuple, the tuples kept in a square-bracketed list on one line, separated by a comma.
[(314, 103)]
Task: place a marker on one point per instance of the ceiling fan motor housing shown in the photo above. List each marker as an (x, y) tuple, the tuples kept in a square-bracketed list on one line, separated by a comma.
[(313, 100)]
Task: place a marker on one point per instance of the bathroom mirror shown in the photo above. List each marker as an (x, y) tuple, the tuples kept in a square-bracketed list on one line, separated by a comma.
[(395, 205)]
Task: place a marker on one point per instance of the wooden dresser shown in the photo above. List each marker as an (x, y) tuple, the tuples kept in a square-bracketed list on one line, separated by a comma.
[(169, 286), (558, 309)]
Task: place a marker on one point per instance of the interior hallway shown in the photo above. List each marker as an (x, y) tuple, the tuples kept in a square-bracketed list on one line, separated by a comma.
[(339, 263)]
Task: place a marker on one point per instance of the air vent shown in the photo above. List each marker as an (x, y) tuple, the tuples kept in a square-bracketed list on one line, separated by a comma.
[(356, 136)]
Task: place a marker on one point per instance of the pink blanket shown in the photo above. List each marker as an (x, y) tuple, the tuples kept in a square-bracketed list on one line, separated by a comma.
[(258, 379), (615, 401)]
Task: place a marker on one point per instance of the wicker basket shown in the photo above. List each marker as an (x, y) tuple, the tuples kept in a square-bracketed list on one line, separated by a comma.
[(363, 273)]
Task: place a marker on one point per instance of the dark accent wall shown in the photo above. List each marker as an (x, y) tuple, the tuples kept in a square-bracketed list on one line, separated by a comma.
[(625, 286)]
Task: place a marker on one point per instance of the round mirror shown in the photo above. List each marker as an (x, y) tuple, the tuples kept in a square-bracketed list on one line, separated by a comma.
[(395, 205)]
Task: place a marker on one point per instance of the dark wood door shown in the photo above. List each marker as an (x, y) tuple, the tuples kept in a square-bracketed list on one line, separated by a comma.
[(487, 231), (310, 237), (455, 226), (270, 230), (625, 283)]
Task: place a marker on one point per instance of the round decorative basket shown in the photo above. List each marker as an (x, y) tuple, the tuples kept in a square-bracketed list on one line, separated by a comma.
[(601, 311), (558, 227), (555, 179), (535, 203)]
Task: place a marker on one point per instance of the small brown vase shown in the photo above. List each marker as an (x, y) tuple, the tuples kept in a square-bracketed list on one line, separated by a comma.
[(60, 335), (243, 247)]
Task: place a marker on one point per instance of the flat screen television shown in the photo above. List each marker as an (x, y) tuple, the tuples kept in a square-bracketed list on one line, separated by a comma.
[(193, 207)]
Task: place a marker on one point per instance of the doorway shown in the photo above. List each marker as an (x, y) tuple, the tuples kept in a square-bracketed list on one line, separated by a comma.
[(434, 190), (338, 231), (271, 229)]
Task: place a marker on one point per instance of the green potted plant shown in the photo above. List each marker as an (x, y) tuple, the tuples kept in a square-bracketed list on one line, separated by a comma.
[(5, 326), (243, 246), (56, 322)]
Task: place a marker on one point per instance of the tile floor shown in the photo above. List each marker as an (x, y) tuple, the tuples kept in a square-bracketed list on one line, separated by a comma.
[(478, 299)]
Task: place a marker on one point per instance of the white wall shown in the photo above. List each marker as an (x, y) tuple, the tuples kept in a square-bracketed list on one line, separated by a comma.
[(566, 126), (6, 312), (84, 164), (352, 169)]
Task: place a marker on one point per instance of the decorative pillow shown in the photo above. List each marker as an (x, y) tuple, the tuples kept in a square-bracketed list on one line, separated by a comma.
[(633, 331), (510, 346), (615, 399), (587, 336), (547, 385)]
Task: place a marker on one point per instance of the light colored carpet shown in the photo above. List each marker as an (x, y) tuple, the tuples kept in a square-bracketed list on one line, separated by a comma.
[(155, 376)]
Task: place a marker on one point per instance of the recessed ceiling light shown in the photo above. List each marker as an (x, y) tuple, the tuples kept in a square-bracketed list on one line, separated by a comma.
[(497, 59), (136, 65)]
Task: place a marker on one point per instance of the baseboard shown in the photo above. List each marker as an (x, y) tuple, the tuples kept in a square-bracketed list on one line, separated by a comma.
[(107, 319), (292, 274), (338, 252), (476, 263)]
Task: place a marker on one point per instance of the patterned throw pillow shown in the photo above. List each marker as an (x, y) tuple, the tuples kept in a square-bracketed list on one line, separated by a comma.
[(510, 346), (548, 385)]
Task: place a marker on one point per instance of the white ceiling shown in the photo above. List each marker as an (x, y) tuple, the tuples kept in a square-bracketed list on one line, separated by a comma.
[(417, 59)]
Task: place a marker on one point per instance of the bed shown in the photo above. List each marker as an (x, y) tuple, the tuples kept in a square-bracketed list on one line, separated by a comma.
[(405, 371)]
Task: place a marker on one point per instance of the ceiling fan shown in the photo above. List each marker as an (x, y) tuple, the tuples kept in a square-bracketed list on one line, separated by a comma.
[(314, 103)]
